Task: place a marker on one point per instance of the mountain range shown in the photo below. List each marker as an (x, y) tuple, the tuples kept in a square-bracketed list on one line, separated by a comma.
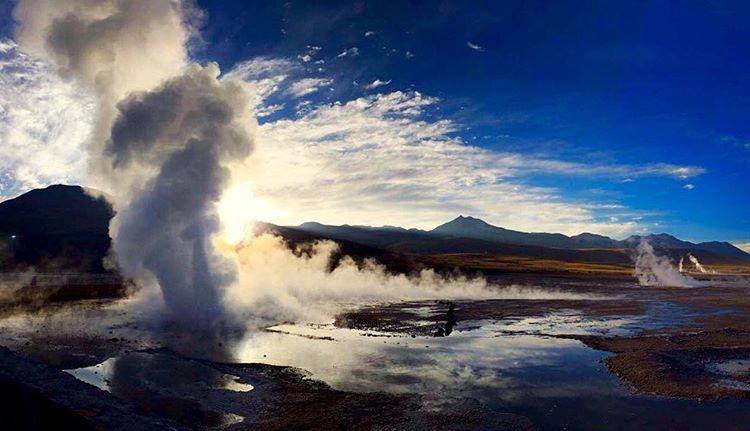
[(489, 236), (64, 227)]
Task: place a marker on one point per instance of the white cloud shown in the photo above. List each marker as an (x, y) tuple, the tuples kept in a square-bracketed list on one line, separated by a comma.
[(265, 77), (369, 33), (474, 46), (311, 52), (351, 52), (688, 186), (375, 160), (266, 110), (377, 83), (44, 124), (306, 86)]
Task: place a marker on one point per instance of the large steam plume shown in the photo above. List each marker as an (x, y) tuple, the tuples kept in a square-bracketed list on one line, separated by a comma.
[(165, 134), (178, 141), (653, 270), (111, 48)]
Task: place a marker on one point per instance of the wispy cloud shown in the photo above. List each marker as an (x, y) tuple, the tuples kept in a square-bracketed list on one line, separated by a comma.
[(309, 54), (369, 33), (688, 186), (474, 46), (377, 83), (306, 86), (734, 140), (351, 52)]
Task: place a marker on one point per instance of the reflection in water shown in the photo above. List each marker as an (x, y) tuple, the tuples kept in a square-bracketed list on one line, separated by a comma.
[(101, 375), (164, 384), (505, 364), (558, 383), (513, 366), (98, 375), (735, 373)]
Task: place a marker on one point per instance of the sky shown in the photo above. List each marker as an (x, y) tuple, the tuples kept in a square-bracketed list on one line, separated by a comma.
[(609, 117)]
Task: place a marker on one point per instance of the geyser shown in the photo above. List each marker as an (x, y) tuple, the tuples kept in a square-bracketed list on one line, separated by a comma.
[(178, 140), (653, 270), (165, 135), (694, 260)]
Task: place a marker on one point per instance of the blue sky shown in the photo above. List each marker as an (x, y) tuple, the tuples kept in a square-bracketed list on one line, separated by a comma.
[(632, 82), (604, 101)]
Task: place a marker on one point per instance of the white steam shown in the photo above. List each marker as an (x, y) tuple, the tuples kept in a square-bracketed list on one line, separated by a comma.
[(111, 48), (166, 136), (699, 266), (653, 270), (278, 284), (178, 141)]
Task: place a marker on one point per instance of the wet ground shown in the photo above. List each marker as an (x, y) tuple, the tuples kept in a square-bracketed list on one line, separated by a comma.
[(579, 355)]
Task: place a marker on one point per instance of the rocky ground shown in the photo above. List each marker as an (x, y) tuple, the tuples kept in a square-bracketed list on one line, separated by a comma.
[(686, 343)]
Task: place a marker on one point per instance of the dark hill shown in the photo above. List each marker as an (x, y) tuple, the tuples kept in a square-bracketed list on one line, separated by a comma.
[(470, 227), (59, 227)]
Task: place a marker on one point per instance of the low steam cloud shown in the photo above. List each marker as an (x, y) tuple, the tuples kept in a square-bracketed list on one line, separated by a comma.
[(279, 284)]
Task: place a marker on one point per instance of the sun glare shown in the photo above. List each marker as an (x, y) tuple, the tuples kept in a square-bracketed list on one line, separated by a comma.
[(239, 210)]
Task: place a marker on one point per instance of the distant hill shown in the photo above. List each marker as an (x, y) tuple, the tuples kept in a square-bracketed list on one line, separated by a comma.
[(470, 227), (473, 235), (668, 242), (58, 227), (420, 242)]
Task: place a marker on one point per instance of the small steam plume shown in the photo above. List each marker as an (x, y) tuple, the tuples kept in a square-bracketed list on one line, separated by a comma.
[(680, 267), (653, 270), (699, 266)]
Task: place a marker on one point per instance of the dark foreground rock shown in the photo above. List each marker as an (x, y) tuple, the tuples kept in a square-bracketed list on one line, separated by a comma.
[(35, 396)]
